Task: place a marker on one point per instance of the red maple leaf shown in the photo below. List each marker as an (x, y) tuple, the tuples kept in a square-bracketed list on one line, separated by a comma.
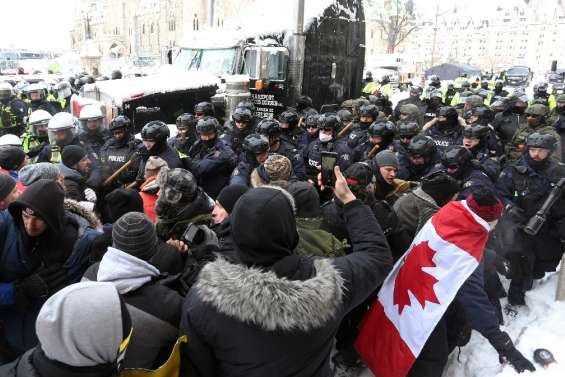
[(412, 278)]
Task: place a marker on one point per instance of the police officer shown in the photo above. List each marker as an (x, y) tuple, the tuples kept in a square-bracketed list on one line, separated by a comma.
[(446, 131), (459, 163), (270, 128), (290, 131), (154, 137), (12, 111), (304, 107), (210, 159), (367, 115), (92, 131), (421, 157), (64, 93), (203, 109), (186, 134), (410, 113), (312, 130), (238, 129), (499, 89), (559, 122), (255, 152), (484, 116), (118, 150), (537, 122), (413, 99), (541, 96), (36, 138), (449, 94), (433, 103), (406, 131), (524, 187), (507, 122), (327, 142), (346, 119), (475, 140), (380, 137), (36, 98)]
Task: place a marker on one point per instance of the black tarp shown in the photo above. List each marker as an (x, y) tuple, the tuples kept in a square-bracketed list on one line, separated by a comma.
[(450, 71)]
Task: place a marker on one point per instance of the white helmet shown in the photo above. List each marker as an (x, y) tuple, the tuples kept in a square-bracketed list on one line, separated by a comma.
[(62, 122), (89, 115), (64, 89), (39, 120), (6, 90), (31, 88), (10, 139)]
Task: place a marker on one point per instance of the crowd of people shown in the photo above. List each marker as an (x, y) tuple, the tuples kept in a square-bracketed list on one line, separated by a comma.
[(113, 247)]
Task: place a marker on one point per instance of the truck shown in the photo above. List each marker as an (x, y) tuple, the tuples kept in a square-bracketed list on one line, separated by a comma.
[(323, 60), (518, 75)]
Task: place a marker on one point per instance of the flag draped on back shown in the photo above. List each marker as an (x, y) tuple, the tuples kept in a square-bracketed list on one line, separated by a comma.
[(419, 289)]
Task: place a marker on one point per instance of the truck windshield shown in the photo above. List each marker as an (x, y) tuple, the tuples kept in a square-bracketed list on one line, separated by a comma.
[(276, 67), (518, 71), (215, 61)]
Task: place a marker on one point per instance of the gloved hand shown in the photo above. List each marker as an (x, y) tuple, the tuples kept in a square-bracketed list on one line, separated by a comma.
[(507, 352), (90, 195), (43, 283)]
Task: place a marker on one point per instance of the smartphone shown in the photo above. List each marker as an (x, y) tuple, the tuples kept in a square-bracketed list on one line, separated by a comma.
[(329, 160)]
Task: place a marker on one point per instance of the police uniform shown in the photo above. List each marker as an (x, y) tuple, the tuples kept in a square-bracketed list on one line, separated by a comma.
[(182, 146), (294, 155), (12, 117), (114, 154), (95, 141), (313, 157), (233, 137), (446, 136), (517, 145)]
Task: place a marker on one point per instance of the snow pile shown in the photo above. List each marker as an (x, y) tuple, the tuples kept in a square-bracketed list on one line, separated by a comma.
[(540, 325), (125, 89)]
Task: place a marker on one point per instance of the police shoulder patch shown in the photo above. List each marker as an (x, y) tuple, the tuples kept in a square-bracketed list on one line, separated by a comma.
[(467, 184), (235, 172)]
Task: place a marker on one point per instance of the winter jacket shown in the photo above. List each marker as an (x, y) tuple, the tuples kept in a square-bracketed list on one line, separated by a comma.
[(19, 258), (237, 327), (148, 192), (75, 183), (414, 210), (445, 137), (95, 141), (154, 308), (165, 152)]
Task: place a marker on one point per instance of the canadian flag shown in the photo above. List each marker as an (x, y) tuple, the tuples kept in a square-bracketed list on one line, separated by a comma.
[(420, 287)]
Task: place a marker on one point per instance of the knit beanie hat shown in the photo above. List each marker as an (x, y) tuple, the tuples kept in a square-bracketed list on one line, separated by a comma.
[(386, 158), (483, 202), (121, 201), (40, 170), (229, 196), (358, 174), (72, 154), (11, 157), (153, 165), (134, 234), (7, 184), (440, 186), (275, 168), (306, 199)]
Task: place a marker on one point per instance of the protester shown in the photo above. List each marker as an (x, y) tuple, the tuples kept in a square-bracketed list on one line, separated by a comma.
[(8, 191)]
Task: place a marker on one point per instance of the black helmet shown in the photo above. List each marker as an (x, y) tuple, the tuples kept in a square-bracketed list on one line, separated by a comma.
[(248, 105), (484, 114), (121, 121), (156, 131), (290, 117), (330, 121), (435, 81), (465, 85), (422, 145), (408, 129), (436, 94), (383, 129), (303, 102), (207, 125), (385, 80), (345, 115), (255, 144), (541, 140), (313, 121), (204, 108), (475, 131), (450, 86), (370, 111), (186, 120), (484, 84), (373, 99), (116, 74), (540, 88), (242, 115), (498, 84), (449, 113), (269, 128), (456, 156), (416, 90), (500, 104)]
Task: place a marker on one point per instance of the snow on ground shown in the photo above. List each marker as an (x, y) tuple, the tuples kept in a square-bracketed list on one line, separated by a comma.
[(541, 325)]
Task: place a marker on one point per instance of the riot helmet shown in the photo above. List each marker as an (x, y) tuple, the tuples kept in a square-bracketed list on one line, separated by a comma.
[(256, 148), (62, 129), (456, 159), (38, 123), (91, 119), (288, 120), (6, 91), (203, 109)]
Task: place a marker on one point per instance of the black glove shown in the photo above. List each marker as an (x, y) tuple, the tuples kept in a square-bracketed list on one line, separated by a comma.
[(43, 283), (508, 353)]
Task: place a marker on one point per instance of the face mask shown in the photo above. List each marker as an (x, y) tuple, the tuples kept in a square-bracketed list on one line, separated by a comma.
[(325, 138)]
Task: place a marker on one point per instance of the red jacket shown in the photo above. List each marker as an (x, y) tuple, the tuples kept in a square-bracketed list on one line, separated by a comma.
[(19, 185), (148, 194)]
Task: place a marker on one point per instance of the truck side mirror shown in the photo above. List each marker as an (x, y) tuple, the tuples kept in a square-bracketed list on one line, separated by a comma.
[(334, 70)]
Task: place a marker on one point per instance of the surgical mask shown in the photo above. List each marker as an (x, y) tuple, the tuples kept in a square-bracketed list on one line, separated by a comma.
[(324, 138)]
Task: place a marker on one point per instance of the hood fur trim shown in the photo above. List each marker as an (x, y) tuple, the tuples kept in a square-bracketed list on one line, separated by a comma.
[(76, 209), (261, 298)]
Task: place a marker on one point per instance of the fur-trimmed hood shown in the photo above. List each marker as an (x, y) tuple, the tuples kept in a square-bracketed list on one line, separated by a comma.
[(259, 297), (83, 216)]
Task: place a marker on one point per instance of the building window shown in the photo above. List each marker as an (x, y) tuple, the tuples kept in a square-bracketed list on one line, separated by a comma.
[(195, 23), (151, 28), (143, 29)]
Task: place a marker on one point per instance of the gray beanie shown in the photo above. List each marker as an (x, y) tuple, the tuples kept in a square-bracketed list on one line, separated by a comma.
[(134, 234), (41, 170), (386, 158), (7, 184)]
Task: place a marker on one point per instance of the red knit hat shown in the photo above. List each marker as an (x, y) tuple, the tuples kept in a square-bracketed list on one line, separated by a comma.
[(489, 212)]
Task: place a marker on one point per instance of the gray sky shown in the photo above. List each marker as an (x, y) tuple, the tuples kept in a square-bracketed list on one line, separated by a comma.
[(36, 23)]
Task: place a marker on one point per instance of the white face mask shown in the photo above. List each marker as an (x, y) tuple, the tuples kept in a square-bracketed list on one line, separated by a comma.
[(324, 138)]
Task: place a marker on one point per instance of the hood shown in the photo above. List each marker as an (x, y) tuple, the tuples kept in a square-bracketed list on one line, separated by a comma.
[(84, 217), (270, 209), (82, 325), (425, 197), (125, 271), (69, 173), (45, 197), (261, 298)]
